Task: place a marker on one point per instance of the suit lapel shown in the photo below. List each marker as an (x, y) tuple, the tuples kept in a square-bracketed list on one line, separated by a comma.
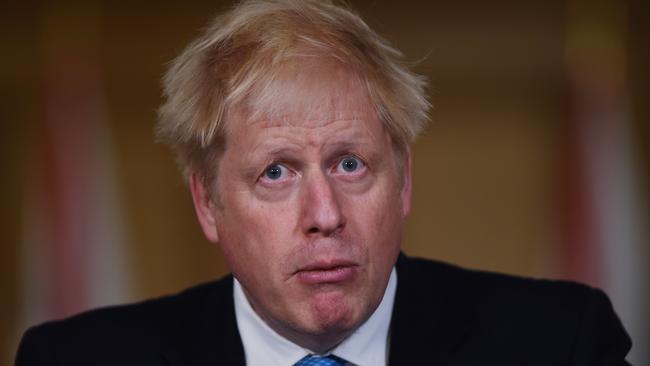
[(209, 335), (429, 322)]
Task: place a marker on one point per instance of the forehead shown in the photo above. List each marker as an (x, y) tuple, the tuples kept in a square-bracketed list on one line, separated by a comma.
[(308, 92)]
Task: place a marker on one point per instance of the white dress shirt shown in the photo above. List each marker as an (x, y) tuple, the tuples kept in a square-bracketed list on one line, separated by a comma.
[(367, 346)]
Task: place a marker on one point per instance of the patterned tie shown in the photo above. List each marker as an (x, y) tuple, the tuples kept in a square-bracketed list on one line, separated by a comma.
[(313, 360)]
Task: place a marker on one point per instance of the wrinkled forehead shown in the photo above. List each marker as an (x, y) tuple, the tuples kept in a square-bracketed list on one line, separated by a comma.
[(308, 91)]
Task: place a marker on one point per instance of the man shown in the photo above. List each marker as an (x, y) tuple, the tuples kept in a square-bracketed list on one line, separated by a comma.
[(292, 122)]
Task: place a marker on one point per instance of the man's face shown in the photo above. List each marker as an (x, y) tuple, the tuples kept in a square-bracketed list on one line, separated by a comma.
[(311, 206)]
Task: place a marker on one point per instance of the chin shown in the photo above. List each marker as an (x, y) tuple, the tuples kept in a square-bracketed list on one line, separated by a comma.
[(336, 313)]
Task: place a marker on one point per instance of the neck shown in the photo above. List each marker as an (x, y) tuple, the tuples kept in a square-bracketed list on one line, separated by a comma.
[(319, 343)]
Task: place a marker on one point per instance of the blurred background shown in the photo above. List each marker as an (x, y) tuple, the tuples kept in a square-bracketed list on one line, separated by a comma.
[(536, 163)]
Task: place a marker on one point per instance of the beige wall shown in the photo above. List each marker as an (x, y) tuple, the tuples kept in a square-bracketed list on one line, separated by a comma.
[(486, 170)]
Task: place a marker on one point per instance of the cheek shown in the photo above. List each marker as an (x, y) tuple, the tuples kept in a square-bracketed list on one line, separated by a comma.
[(381, 220), (255, 234), (379, 209)]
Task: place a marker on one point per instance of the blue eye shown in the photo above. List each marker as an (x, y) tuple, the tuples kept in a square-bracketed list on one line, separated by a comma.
[(274, 172), (350, 164)]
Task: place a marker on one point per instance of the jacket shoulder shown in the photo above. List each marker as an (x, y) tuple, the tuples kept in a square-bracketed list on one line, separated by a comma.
[(486, 288), (139, 329), (525, 316)]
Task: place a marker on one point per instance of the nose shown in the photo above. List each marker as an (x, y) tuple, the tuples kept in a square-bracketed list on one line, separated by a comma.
[(321, 210)]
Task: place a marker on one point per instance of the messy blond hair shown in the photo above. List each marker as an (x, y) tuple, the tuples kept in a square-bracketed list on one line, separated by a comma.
[(244, 49)]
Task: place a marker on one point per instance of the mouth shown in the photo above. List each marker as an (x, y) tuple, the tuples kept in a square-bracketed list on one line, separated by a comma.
[(326, 272)]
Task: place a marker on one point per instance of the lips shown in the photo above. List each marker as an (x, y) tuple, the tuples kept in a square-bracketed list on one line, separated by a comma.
[(327, 272)]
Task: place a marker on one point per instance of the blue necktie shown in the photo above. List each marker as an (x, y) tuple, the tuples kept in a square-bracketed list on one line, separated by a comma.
[(313, 360)]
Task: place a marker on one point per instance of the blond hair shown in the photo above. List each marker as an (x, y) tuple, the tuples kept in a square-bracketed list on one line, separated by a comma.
[(244, 49)]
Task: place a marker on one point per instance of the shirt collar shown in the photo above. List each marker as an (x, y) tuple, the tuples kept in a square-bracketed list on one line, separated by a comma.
[(263, 346)]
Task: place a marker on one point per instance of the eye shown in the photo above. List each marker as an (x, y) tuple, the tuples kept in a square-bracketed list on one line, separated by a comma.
[(351, 164), (275, 171)]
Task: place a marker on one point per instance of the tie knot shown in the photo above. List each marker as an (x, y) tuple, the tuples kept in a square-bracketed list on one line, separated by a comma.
[(313, 360)]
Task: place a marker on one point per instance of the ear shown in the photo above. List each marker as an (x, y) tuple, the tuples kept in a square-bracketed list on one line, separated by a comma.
[(204, 207), (406, 184)]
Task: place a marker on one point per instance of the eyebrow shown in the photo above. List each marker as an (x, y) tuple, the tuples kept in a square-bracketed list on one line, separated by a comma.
[(345, 147), (262, 155), (279, 151)]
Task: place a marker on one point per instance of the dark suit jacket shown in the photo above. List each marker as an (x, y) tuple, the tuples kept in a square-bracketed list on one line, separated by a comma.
[(443, 315)]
